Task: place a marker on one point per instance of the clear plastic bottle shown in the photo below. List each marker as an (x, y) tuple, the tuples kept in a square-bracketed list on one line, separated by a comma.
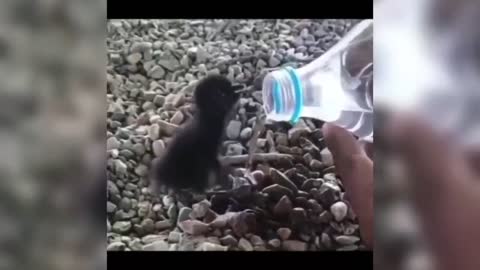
[(337, 87)]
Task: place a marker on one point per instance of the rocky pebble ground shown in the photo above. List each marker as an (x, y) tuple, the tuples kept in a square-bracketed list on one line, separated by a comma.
[(293, 202)]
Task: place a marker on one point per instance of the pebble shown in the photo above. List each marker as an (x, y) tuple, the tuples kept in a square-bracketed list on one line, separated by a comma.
[(173, 247), (157, 207), (327, 158), (301, 201), (222, 220), (325, 217), (303, 194), (281, 179), (135, 244), (314, 206), (199, 210), (261, 143), (112, 188), (158, 147), (186, 244), (201, 55), (351, 229), (170, 63), (256, 240), (213, 239), (245, 245), (154, 132), (348, 248), (168, 128), (202, 68), (273, 61), (210, 216), (138, 149), (120, 167), (184, 214), (298, 216), (217, 233), (174, 237), (125, 204), (172, 212), (330, 177), (177, 118), (261, 64), (326, 241), (156, 246), (148, 106), (275, 243), (234, 149), (229, 240), (295, 133), (116, 246), (233, 129), (141, 170), (148, 225), (140, 47), (242, 223), (281, 139), (308, 158), (163, 225), (283, 207), (159, 101), (246, 133), (207, 246), (127, 154), (308, 185), (185, 61), (157, 72), (167, 201), (134, 58), (328, 194), (194, 227), (294, 245), (284, 233), (277, 191), (131, 187), (121, 226), (316, 165), (113, 143), (126, 215), (259, 177), (346, 240), (148, 239), (111, 207), (339, 210)]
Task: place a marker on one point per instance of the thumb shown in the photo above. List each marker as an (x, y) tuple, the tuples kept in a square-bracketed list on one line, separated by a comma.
[(356, 171)]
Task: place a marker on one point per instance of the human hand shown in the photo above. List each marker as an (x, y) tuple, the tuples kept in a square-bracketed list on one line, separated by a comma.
[(445, 185), (355, 166)]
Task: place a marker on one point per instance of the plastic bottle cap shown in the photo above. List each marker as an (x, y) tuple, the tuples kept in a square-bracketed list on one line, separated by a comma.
[(277, 98)]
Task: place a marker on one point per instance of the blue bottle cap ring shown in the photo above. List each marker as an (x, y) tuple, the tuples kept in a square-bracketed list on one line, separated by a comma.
[(298, 91)]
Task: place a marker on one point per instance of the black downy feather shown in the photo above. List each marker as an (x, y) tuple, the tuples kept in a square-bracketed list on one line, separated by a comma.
[(191, 158)]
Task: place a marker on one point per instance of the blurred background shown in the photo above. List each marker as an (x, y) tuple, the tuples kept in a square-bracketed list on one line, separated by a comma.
[(52, 134), (427, 189)]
